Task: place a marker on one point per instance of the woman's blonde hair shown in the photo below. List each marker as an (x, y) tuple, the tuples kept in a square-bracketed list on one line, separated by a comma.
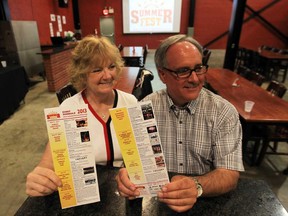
[(90, 53)]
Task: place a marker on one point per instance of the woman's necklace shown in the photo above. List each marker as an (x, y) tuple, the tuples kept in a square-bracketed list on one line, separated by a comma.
[(103, 116), (100, 112), (103, 113)]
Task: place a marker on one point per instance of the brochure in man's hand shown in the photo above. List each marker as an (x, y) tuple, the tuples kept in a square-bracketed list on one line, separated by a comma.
[(140, 145)]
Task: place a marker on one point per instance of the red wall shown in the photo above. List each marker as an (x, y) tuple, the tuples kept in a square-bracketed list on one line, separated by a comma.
[(212, 18), (94, 8), (254, 34), (39, 11)]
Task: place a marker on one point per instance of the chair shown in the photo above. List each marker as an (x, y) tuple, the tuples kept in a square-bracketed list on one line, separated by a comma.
[(256, 62), (133, 62), (206, 56), (143, 86), (265, 47), (246, 57), (276, 88), (259, 132), (274, 49), (276, 67), (255, 77), (238, 60), (273, 134), (283, 65), (145, 54), (65, 92), (242, 70), (250, 75), (120, 47), (280, 69), (283, 51)]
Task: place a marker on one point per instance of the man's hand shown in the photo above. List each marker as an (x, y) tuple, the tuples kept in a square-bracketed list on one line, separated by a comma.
[(42, 181), (180, 194)]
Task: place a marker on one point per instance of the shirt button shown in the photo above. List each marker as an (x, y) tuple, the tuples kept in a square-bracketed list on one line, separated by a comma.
[(181, 164), (180, 142), (180, 122)]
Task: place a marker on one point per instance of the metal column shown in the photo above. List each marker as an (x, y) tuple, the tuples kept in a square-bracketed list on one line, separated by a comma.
[(234, 33)]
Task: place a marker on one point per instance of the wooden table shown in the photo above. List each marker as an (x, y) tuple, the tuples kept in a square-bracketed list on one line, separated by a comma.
[(268, 54), (251, 197), (132, 51), (127, 79), (269, 60), (133, 55), (268, 109)]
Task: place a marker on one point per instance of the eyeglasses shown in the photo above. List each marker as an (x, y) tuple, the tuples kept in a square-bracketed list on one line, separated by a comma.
[(186, 72)]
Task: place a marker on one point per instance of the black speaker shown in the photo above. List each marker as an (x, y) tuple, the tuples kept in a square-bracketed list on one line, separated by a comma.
[(63, 3)]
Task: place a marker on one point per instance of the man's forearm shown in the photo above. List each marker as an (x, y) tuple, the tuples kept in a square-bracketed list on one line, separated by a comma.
[(218, 182)]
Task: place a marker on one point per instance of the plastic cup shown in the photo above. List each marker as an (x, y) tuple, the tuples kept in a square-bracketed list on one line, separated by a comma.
[(4, 64), (248, 106)]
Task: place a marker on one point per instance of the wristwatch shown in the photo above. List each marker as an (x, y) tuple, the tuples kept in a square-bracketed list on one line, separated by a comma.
[(198, 186)]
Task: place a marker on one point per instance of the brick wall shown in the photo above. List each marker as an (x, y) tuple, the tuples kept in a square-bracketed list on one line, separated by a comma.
[(56, 67)]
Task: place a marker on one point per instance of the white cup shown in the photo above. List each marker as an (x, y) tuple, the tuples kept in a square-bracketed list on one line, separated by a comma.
[(4, 64), (248, 106)]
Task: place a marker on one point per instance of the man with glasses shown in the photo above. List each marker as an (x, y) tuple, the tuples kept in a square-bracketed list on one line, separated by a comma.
[(200, 132)]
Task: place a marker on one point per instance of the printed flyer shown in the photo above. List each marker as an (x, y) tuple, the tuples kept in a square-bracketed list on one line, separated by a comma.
[(140, 145), (73, 158)]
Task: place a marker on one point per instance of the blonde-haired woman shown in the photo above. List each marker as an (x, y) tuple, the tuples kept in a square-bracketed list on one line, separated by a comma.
[(95, 67)]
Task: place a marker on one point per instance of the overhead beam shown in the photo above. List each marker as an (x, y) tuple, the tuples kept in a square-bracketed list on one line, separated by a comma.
[(272, 27), (251, 16)]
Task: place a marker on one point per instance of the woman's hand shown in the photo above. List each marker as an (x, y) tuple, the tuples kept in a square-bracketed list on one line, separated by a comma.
[(42, 181)]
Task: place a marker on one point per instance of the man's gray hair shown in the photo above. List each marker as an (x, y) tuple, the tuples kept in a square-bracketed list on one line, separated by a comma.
[(160, 54)]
